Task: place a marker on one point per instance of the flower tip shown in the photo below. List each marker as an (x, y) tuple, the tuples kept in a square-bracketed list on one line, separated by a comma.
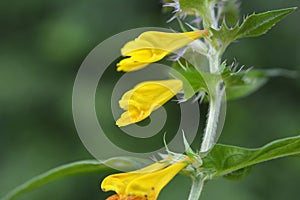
[(124, 121), (119, 124), (119, 67)]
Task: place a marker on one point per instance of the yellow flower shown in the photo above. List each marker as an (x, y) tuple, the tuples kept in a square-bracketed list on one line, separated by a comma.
[(143, 184), (145, 98), (152, 46)]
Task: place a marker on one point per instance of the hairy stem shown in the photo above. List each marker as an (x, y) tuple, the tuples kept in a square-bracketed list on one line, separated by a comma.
[(214, 58), (211, 134), (196, 189), (217, 91)]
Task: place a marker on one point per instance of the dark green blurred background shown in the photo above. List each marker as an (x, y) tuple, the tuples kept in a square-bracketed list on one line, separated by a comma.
[(42, 46)]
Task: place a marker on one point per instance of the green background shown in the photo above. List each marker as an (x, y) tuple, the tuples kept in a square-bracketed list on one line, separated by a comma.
[(42, 46)]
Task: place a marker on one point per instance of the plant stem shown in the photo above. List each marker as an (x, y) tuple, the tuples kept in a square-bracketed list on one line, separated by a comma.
[(211, 133), (214, 58), (217, 91), (196, 189)]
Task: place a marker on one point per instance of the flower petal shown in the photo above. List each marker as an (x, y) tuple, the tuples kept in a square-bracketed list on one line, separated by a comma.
[(152, 46), (118, 182), (129, 64), (150, 185), (168, 42), (145, 98)]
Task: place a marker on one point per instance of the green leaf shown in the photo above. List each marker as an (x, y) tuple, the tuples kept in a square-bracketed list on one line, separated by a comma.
[(239, 174), (225, 160), (252, 26), (238, 84), (193, 80), (246, 82), (75, 168), (258, 24), (243, 83), (225, 35)]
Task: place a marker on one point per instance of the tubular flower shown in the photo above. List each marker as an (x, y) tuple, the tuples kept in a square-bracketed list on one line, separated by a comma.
[(145, 98), (143, 184), (152, 46)]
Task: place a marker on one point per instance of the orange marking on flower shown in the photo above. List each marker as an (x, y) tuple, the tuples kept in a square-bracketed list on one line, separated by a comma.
[(114, 197)]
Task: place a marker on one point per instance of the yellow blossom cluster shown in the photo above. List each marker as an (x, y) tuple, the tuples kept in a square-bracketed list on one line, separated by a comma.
[(146, 97), (138, 103)]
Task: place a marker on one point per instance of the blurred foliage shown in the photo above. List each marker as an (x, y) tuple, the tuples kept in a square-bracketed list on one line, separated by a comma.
[(42, 46)]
